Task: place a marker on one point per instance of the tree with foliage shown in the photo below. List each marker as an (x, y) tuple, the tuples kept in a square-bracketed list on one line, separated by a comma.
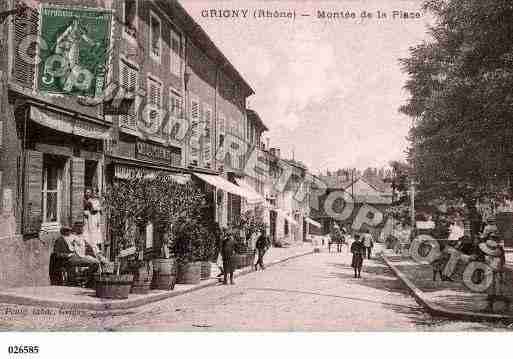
[(461, 87)]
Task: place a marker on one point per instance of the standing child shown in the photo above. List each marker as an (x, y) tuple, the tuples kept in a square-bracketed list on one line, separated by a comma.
[(368, 242), (228, 251), (358, 251)]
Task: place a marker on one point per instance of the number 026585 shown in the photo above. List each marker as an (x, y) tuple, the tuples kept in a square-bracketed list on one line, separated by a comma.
[(23, 349)]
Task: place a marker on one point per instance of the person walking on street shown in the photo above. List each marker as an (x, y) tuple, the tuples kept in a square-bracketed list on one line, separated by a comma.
[(228, 250), (368, 242), (262, 244), (358, 251)]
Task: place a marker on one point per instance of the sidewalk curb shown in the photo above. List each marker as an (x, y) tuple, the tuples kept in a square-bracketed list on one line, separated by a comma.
[(111, 305), (438, 310)]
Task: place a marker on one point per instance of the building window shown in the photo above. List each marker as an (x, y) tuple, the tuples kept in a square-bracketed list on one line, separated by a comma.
[(175, 111), (155, 37), (51, 191), (207, 117), (155, 103), (129, 17), (176, 54), (128, 78), (195, 135), (221, 127), (175, 104)]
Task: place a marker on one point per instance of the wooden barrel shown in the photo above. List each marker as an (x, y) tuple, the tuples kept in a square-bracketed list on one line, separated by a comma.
[(142, 279), (164, 274), (206, 270), (114, 286), (189, 273), (164, 266), (504, 222)]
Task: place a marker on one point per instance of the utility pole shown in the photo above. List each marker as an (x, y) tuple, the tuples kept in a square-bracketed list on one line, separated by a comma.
[(412, 197), (412, 190), (352, 184)]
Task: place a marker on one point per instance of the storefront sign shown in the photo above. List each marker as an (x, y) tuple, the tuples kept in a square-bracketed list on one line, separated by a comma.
[(65, 123), (125, 172), (170, 155), (74, 50)]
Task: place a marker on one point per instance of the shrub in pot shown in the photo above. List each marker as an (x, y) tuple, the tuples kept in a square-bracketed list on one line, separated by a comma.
[(187, 249), (207, 252)]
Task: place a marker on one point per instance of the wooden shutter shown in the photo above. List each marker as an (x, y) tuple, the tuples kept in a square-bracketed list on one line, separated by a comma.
[(24, 72), (33, 192), (206, 138), (155, 98), (128, 78), (77, 189), (195, 117)]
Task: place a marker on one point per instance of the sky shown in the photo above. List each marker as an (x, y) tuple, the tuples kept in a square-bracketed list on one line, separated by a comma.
[(328, 89)]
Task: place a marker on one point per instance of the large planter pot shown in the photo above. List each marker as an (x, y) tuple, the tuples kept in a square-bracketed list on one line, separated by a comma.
[(112, 286), (164, 274), (504, 221), (142, 279), (189, 273), (206, 269), (251, 259)]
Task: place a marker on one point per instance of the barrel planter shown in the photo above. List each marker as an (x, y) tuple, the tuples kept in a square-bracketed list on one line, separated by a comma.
[(238, 261), (189, 273), (251, 259), (112, 286), (206, 270), (504, 222), (142, 279), (164, 273)]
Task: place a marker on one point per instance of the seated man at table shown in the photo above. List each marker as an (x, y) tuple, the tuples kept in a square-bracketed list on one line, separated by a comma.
[(72, 249)]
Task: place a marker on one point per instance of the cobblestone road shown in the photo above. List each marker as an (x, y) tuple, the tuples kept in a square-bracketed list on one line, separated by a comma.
[(315, 292)]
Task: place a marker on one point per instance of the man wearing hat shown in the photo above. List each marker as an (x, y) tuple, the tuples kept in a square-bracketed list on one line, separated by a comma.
[(67, 247), (490, 228), (495, 257)]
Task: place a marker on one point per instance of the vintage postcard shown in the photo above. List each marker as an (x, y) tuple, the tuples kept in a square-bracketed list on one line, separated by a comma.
[(250, 166)]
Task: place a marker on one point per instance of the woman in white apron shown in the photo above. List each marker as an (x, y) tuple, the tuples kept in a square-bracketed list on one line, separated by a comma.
[(92, 214)]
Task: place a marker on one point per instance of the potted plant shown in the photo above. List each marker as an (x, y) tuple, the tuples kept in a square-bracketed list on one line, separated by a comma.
[(187, 249), (241, 250), (207, 252), (165, 266)]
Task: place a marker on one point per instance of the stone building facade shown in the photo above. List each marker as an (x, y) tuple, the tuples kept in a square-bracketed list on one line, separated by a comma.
[(163, 74)]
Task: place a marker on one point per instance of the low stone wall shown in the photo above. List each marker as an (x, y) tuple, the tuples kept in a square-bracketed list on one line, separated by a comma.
[(24, 262)]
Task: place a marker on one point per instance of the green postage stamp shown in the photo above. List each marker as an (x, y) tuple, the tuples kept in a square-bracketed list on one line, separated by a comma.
[(74, 51)]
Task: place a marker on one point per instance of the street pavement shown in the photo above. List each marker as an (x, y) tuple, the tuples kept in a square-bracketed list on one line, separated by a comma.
[(312, 293)]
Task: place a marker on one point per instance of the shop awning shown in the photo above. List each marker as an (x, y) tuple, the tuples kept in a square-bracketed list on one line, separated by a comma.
[(256, 197), (312, 222), (67, 124), (221, 183), (284, 214)]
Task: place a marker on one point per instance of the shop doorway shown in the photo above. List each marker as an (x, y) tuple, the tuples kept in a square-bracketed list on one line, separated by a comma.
[(91, 175), (52, 191)]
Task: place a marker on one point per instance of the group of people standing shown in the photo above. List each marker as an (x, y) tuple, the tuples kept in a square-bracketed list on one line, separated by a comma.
[(259, 244)]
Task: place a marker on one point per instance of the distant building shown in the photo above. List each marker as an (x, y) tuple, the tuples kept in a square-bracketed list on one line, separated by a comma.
[(360, 191)]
